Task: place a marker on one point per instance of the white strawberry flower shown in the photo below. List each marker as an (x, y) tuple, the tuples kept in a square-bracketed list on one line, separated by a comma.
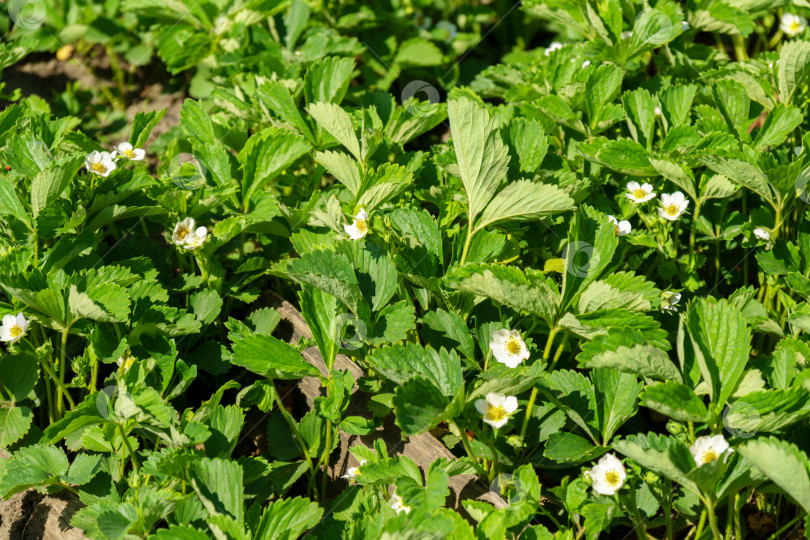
[(497, 409), (657, 110), (586, 63), (182, 230), (508, 347), (608, 475), (669, 300), (639, 193), (126, 150), (125, 361), (13, 328), (762, 234), (707, 449), (672, 206), (423, 22), (353, 472), (627, 34), (196, 238), (396, 504), (100, 163), (447, 30), (553, 46), (359, 227), (623, 227), (792, 25)]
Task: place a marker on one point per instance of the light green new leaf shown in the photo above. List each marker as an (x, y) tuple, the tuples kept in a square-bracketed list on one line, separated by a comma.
[(527, 291), (675, 400), (779, 123), (50, 183), (639, 106), (418, 52), (721, 340), (599, 295), (398, 363), (10, 204), (628, 351), (625, 156), (271, 357), (616, 395), (794, 68), (482, 157), (341, 166), (740, 172), (328, 79), (276, 98), (266, 154), (430, 496), (784, 464), (666, 456), (142, 125), (530, 142), (338, 124), (330, 272), (288, 519), (522, 200), (677, 174), (14, 424), (419, 406), (218, 483), (592, 241)]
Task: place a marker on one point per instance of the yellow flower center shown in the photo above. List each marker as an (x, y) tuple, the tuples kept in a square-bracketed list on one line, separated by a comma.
[(129, 153), (15, 331), (496, 413), (98, 167), (795, 27), (613, 478), (182, 234), (639, 193), (616, 228), (672, 209), (361, 225), (709, 456), (512, 346)]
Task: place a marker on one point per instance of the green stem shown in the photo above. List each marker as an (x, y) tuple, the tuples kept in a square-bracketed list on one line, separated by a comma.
[(701, 523), (467, 449), (325, 459), (294, 428), (533, 397), (668, 509), (739, 502), (60, 381), (712, 519), (778, 534), (132, 456), (466, 244)]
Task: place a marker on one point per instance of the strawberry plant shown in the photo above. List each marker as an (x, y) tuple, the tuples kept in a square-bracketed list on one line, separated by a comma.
[(406, 269)]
